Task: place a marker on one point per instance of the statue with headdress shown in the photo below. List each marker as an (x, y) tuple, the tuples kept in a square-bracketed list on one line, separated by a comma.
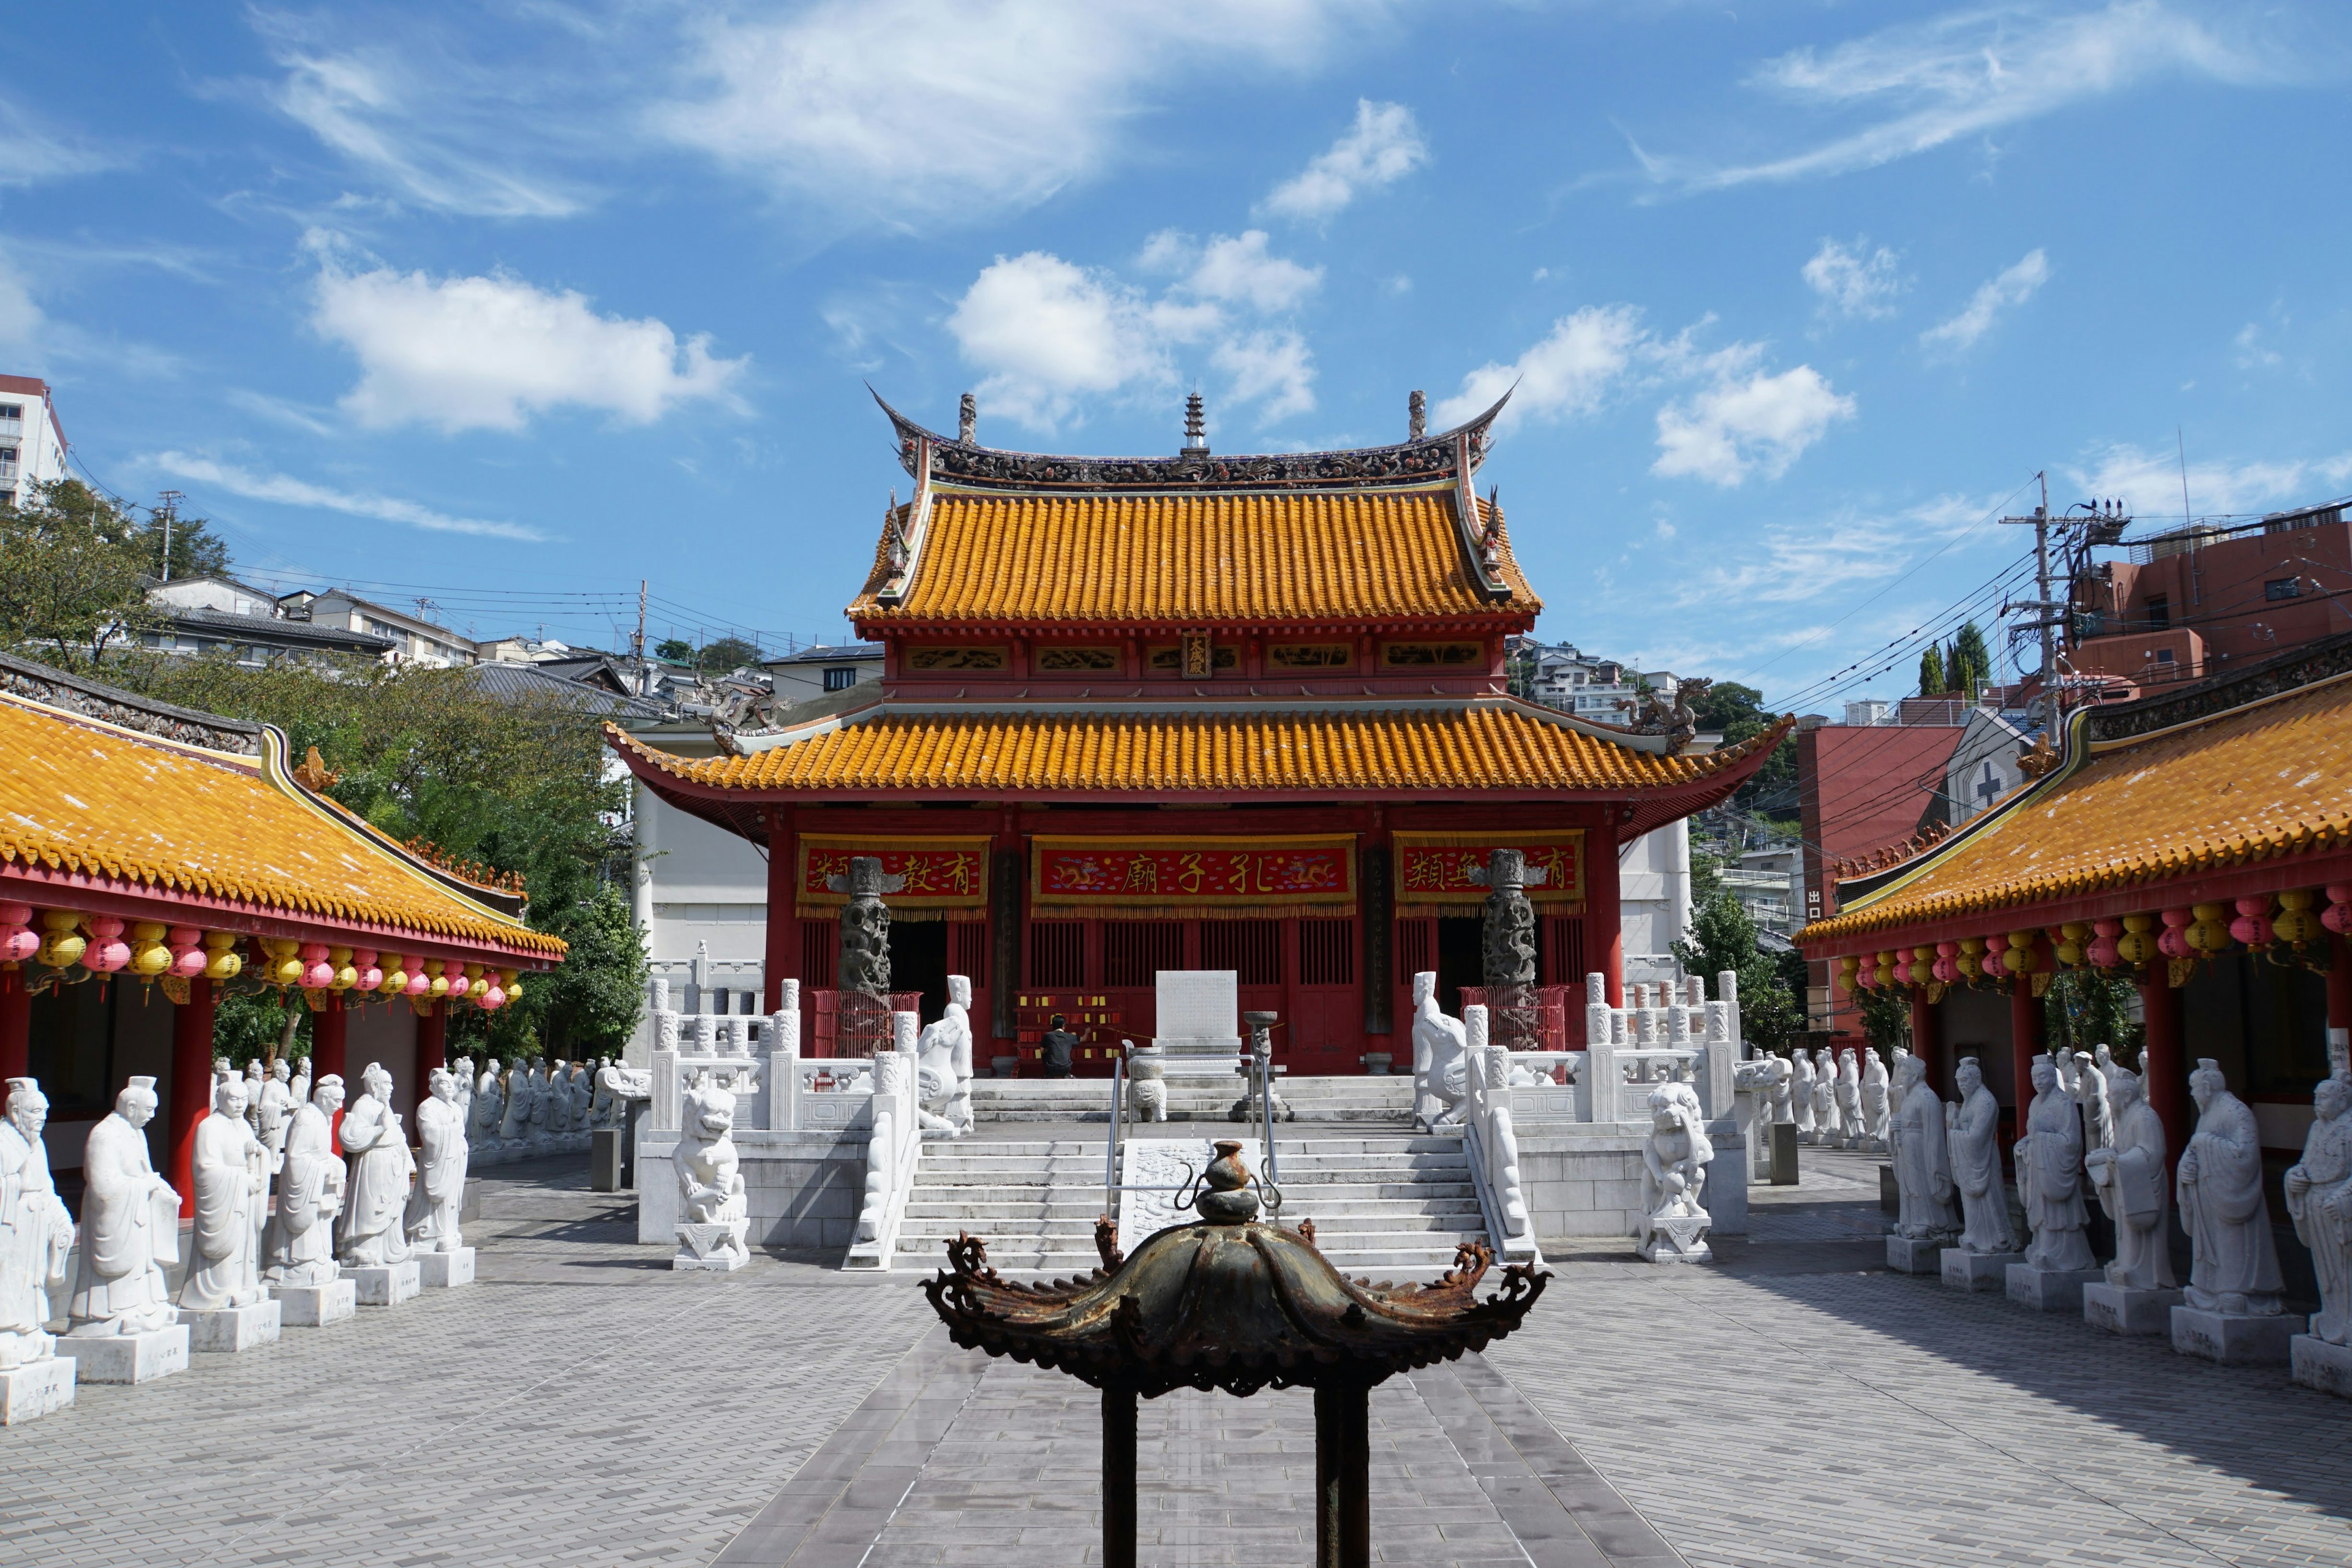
[(36, 1233), (1675, 1160), (2219, 1185), (2127, 1174), (130, 1226)]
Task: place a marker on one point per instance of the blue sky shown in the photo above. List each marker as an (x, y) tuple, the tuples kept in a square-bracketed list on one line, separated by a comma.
[(509, 305)]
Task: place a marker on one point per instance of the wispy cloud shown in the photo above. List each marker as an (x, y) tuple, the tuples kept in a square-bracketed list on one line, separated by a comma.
[(36, 154), (2011, 286), (1382, 147), (1854, 281), (286, 490), (2150, 481)]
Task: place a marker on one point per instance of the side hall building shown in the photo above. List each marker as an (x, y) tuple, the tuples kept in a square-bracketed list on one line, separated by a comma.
[(1194, 712)]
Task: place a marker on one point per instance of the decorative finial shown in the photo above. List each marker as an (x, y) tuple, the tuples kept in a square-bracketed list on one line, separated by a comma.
[(1196, 426), (1418, 407), (968, 420)]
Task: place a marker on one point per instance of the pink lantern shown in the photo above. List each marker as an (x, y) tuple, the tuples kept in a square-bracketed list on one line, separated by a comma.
[(1946, 967), (18, 942), (2253, 925), (317, 972), (371, 974), (2337, 916), (2174, 943), (2104, 952), (188, 954), (107, 951), (493, 999), (455, 973), (420, 983)]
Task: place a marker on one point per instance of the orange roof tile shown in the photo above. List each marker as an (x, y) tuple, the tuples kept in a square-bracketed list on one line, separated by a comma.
[(2267, 780), (1488, 746), (1219, 557), (85, 797)]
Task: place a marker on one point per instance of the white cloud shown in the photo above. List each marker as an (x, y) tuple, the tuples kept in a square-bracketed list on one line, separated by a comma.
[(1272, 369), (1570, 372), (1922, 85), (2012, 286), (912, 112), (1759, 422), (1854, 282), (34, 154), (2149, 482), (2252, 353), (1820, 559), (1049, 332), (287, 490), (488, 352), (20, 318), (1239, 272), (1382, 147)]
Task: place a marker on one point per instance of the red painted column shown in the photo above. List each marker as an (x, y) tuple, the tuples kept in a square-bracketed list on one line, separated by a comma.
[(328, 1030), (1604, 922), (1928, 1039), (2164, 1063), (784, 948), (2025, 1036), (432, 1036), (15, 1024), (191, 1085)]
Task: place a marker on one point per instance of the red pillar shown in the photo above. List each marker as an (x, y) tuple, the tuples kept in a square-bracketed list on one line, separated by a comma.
[(1926, 1038), (783, 949), (1605, 923), (191, 1085), (2025, 1037), (2163, 1063), (16, 1024), (328, 1032), (432, 1038)]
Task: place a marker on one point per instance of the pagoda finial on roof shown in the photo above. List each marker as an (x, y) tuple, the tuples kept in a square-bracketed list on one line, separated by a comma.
[(968, 420), (1196, 426), (1417, 410)]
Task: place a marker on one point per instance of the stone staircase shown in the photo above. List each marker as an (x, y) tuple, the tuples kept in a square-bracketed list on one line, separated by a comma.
[(1393, 1208), (1033, 1201), (1360, 1098)]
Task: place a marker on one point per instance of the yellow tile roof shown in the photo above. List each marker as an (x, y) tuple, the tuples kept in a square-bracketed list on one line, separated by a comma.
[(93, 801), (1222, 558), (1490, 746), (2269, 780)]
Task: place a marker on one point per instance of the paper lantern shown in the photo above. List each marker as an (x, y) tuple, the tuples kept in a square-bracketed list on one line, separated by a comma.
[(1850, 972), (2208, 933), (369, 975), (18, 941), (317, 973), (420, 983), (222, 961), (64, 944), (2294, 923), (151, 955), (2102, 952), (1947, 966), (188, 955), (106, 952), (2338, 915), (2137, 945)]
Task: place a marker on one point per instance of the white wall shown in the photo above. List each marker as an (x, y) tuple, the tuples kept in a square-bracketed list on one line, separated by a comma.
[(1654, 900)]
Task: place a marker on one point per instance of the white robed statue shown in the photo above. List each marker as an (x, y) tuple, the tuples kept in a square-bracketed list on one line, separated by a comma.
[(130, 1226), (440, 1190), (2129, 1176), (2319, 1200), (36, 1232), (490, 1105), (1922, 1170), (274, 1104), (2049, 1176), (230, 1171), (1800, 1094), (1972, 1135), (383, 1170), (299, 1248), (2219, 1187)]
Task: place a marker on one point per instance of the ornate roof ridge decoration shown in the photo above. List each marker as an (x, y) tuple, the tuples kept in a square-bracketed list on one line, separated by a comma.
[(2274, 677), (1451, 455), (124, 709)]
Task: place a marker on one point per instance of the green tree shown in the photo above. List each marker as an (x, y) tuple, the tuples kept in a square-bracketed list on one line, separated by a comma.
[(1931, 672), (2083, 1008), (587, 1007), (726, 654), (677, 651), (1971, 661), (1738, 713), (72, 576), (1723, 936), (197, 551), (1886, 1017)]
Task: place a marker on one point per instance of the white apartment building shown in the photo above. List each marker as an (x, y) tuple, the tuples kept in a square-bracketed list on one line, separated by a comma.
[(820, 671), (32, 441), (415, 639)]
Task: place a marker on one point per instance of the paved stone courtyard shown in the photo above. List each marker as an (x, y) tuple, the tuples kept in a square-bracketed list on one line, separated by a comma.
[(581, 1405)]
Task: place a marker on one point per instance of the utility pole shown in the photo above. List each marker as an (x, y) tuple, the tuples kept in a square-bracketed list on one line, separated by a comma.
[(2103, 524), (168, 512), (637, 643)]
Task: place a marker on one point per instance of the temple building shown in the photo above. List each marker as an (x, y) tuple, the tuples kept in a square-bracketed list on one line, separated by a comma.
[(152, 856), (1196, 711), (2196, 844)]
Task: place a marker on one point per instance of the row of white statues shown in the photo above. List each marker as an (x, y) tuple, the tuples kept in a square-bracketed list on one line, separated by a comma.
[(1837, 1104)]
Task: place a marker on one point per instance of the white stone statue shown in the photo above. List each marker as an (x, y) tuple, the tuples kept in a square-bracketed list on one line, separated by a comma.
[(1147, 1082), (229, 1169), (382, 1171), (462, 1070), (440, 1190), (2128, 1172), (254, 1079), (1800, 1096), (943, 1067), (626, 1083), (1673, 1166), (130, 1226), (2219, 1185), (2048, 1165), (559, 1100), (1972, 1137), (36, 1233), (1923, 1167), (2093, 1091), (490, 1106), (541, 1108), (1875, 1103), (299, 1089), (1440, 1062), (713, 1214), (2319, 1201), (1849, 1100), (601, 1106), (1783, 1093), (299, 1248), (1828, 1131), (1896, 1081), (277, 1102), (514, 1127)]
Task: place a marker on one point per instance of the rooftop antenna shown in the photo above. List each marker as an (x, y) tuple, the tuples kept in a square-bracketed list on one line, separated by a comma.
[(2181, 443)]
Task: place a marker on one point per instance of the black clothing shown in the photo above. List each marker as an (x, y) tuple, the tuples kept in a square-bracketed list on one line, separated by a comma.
[(1058, 1045)]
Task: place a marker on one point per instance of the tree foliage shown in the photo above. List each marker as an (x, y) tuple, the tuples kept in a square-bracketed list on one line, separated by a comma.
[(2083, 1008), (1723, 936), (1968, 667), (1738, 713), (72, 576), (726, 654), (1931, 672)]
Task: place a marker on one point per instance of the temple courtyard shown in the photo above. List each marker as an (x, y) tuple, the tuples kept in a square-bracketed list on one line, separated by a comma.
[(581, 1404)]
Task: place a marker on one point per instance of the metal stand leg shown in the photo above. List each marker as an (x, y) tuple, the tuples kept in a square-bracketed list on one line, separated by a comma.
[(1119, 1478), (1343, 1488)]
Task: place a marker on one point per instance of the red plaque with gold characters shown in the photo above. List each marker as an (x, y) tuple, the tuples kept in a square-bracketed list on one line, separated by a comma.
[(942, 874), (1194, 875), (1433, 869)]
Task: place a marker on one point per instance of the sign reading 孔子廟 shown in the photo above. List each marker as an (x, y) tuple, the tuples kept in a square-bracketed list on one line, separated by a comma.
[(1269, 876)]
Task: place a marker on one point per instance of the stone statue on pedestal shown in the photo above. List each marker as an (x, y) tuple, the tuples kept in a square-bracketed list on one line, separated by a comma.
[(541, 1108), (1784, 1110), (2129, 1176), (275, 1104), (713, 1212), (230, 1171), (130, 1226), (462, 1071), (1828, 1131), (1673, 1166), (2048, 1165), (2319, 1201), (1801, 1095), (514, 1126), (2219, 1186), (1440, 1073), (489, 1111), (299, 1248), (299, 1089), (1972, 1135), (1147, 1081), (1849, 1100), (1875, 1102), (36, 1234), (440, 1191), (1923, 1168), (943, 1067), (382, 1171)]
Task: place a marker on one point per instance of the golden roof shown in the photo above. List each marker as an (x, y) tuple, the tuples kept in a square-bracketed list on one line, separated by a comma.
[(1346, 557), (1494, 745), (101, 802), (2270, 779)]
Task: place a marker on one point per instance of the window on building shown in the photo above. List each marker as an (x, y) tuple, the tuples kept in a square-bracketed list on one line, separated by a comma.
[(1057, 955), (2164, 655), (1134, 951), (841, 678), (2159, 611), (1326, 952), (12, 411), (1251, 949), (2276, 588)]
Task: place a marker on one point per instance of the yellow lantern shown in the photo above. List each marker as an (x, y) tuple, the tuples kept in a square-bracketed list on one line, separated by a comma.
[(1885, 970), (65, 943), (2210, 932), (222, 961), (285, 965), (150, 955), (2070, 950), (2019, 959), (440, 986), (1849, 972), (395, 978), (509, 985), (2136, 946), (347, 975), (2294, 924), (1923, 965), (1971, 959)]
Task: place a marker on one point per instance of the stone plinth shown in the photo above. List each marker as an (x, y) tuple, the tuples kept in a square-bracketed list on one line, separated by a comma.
[(718, 1248), (128, 1358), (387, 1285), (2234, 1339), (1966, 1270), (1784, 1154), (1675, 1238), (2315, 1363), (604, 1160), (30, 1391), (444, 1271), (315, 1306), (1906, 1255), (2050, 1289), (226, 1330), (2120, 1309)]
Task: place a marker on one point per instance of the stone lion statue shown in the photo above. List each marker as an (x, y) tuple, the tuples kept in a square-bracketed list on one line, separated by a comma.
[(712, 1211), (1673, 1165), (1147, 1082)]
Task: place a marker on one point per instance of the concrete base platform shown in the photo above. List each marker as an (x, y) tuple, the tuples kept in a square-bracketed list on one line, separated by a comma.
[(315, 1306), (2316, 1364), (444, 1271), (2050, 1289), (2121, 1310), (386, 1286), (226, 1330), (128, 1358), (1906, 1256), (1966, 1270), (2235, 1341), (37, 1389)]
